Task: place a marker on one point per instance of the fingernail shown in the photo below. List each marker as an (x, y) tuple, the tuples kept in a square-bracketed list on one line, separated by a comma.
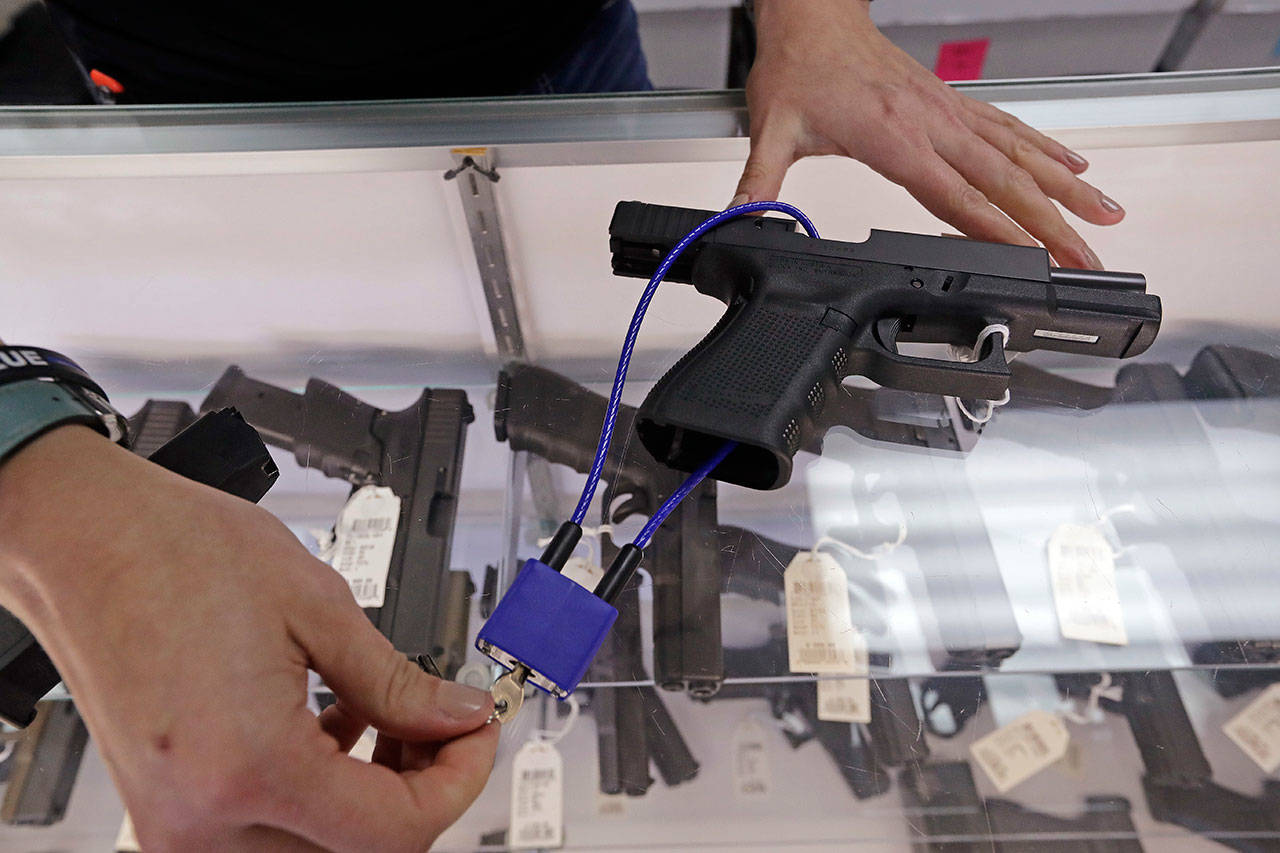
[(740, 198), (1111, 205), (1075, 159), (460, 701), (1094, 263)]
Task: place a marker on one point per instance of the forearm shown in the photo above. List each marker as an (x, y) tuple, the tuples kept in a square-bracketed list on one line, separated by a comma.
[(43, 490), (783, 24)]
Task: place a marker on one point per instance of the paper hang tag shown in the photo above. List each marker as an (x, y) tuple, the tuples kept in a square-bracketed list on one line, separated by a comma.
[(1082, 570), (611, 805), (583, 572), (362, 541), (1256, 729), (127, 839), (844, 700), (1016, 752), (364, 746), (537, 797), (752, 775), (820, 633)]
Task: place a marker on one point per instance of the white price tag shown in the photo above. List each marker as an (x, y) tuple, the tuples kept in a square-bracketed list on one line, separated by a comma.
[(1256, 729), (363, 749), (820, 633), (1083, 572), (583, 572), (127, 839), (844, 700), (752, 776), (1016, 752), (362, 540), (537, 797), (611, 805)]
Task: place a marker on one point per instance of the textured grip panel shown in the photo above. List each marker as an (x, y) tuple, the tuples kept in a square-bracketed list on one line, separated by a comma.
[(760, 378)]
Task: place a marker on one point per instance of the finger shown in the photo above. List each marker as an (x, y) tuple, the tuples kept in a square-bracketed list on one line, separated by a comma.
[(343, 726), (1015, 192), (948, 196), (772, 153), (459, 767), (375, 682), (1051, 147), (1055, 179), (344, 804)]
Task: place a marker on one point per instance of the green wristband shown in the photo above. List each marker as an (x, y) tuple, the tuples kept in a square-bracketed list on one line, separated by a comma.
[(30, 408)]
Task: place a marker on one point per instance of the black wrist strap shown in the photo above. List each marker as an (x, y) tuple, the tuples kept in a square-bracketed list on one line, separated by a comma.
[(19, 363)]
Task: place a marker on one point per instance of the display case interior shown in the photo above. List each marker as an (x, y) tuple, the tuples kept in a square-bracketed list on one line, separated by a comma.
[(1064, 607)]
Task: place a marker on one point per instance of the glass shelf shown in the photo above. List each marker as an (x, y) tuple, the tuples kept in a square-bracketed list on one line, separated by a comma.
[(160, 245)]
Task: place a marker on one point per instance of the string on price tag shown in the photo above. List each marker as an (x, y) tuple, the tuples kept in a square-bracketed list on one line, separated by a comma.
[(1016, 752), (582, 571)]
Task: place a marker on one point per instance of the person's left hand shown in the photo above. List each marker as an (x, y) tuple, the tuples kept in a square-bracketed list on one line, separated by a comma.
[(825, 81)]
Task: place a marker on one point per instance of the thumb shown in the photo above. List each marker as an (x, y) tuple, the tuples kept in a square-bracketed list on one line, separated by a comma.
[(376, 683), (772, 153)]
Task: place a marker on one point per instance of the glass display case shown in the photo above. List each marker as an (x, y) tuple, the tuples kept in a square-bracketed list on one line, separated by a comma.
[(1070, 615)]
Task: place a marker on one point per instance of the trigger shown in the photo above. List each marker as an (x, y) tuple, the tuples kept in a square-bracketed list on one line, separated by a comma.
[(886, 331)]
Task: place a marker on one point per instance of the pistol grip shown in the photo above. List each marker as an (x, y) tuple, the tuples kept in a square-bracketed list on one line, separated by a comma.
[(760, 377), (876, 356)]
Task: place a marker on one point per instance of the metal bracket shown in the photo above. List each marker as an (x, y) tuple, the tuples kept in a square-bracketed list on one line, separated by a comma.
[(480, 206), (468, 162)]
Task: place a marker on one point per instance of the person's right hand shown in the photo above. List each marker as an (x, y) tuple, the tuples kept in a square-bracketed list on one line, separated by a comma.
[(183, 621), (826, 81)]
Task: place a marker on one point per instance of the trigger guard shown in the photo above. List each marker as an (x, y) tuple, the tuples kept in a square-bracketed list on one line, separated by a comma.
[(633, 504), (885, 334), (987, 378)]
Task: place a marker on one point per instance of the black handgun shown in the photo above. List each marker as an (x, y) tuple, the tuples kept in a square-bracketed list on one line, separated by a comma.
[(794, 704), (1227, 382), (1218, 549), (804, 313), (218, 450), (1230, 377), (752, 566), (961, 821), (633, 724), (417, 453), (969, 610), (540, 411), (1178, 780)]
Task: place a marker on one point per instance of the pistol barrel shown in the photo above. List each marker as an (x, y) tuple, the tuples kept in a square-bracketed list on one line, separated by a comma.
[(1102, 279)]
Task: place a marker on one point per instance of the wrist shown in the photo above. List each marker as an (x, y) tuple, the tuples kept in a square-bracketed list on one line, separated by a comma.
[(43, 489), (781, 23)]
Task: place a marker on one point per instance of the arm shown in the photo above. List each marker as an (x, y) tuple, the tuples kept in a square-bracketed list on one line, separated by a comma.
[(184, 621), (825, 81)]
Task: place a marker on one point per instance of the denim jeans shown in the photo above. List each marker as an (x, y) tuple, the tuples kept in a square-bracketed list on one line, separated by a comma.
[(608, 57)]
